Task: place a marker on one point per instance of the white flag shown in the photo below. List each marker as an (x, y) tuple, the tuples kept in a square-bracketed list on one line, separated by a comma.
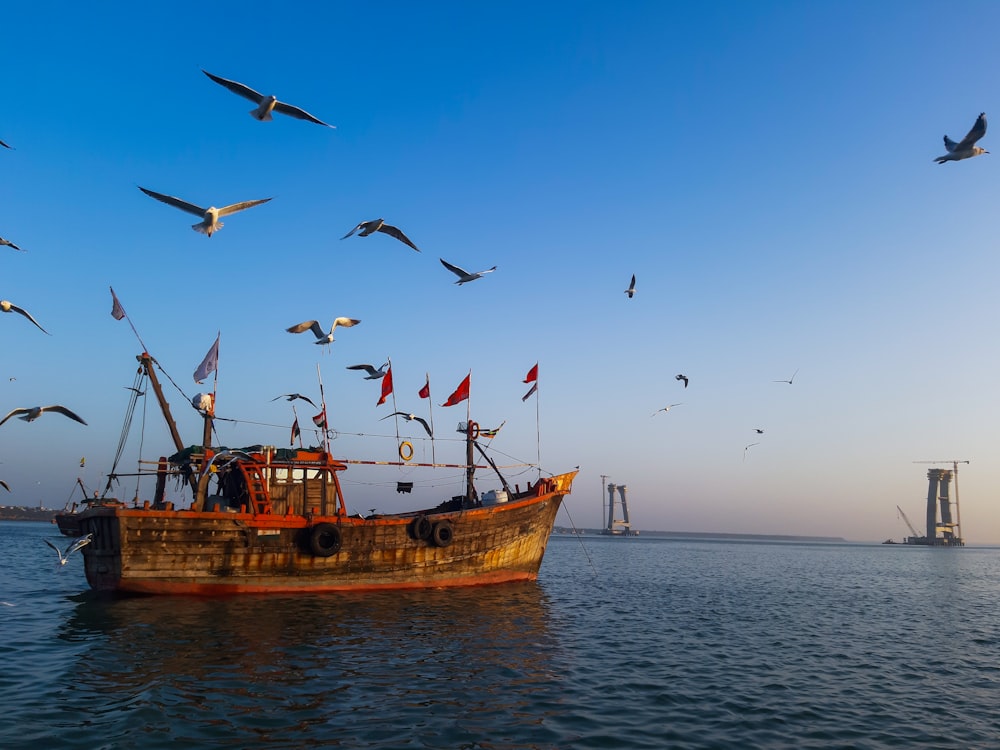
[(209, 364)]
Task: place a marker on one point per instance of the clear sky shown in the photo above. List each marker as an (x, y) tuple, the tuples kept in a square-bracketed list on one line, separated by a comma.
[(765, 169)]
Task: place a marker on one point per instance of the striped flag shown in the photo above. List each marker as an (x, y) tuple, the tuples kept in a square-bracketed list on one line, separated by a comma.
[(320, 419), (295, 431)]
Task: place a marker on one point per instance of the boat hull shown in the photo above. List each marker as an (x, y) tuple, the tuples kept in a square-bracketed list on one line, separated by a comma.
[(211, 553)]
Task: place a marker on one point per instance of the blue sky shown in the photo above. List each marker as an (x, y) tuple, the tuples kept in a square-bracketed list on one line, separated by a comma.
[(765, 169)]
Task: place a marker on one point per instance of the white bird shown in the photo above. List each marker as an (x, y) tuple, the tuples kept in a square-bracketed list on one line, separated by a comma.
[(665, 408), (463, 275), (966, 148), (7, 307), (210, 216), (322, 337), (748, 448), (265, 104), (30, 415), (631, 288), (232, 456), (293, 396), (83, 541), (409, 418), (10, 244), (789, 381), (373, 374), (379, 225)]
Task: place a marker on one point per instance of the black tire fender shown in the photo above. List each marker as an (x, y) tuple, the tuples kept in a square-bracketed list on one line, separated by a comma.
[(324, 540)]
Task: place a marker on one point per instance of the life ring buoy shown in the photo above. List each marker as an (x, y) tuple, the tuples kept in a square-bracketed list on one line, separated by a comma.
[(444, 534), (421, 528), (406, 450), (474, 430), (324, 540)]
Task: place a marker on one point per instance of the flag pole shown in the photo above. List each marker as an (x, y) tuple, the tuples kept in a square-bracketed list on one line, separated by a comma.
[(430, 413), (395, 419), (326, 418), (538, 434), (117, 307), (295, 421)]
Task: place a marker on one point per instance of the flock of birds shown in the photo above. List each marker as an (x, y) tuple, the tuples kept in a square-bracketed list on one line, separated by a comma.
[(265, 106)]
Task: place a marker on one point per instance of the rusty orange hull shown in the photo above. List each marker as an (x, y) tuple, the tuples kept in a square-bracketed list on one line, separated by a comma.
[(212, 553)]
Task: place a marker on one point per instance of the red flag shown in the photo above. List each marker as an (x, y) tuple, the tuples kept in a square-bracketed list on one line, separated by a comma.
[(425, 392), (533, 389), (320, 419), (532, 375), (386, 386), (461, 393), (295, 431), (117, 311)]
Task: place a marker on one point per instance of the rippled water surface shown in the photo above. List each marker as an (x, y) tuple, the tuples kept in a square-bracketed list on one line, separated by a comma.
[(622, 643)]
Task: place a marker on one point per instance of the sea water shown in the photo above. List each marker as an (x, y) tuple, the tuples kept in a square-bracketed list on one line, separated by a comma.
[(621, 643)]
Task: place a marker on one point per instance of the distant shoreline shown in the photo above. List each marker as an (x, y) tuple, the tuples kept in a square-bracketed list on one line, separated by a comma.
[(15, 513), (714, 535)]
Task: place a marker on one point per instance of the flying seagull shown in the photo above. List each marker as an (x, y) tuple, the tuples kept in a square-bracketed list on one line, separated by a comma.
[(373, 374), (748, 448), (265, 104), (966, 148), (758, 430), (232, 455), (83, 541), (464, 276), (665, 408), (30, 415), (7, 307), (4, 485), (293, 396), (5, 145), (322, 337), (410, 417), (631, 288), (378, 225), (136, 391), (210, 216), (10, 244), (682, 377), (789, 381)]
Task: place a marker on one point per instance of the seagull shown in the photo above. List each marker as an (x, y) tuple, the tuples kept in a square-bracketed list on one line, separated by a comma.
[(373, 374), (293, 396), (6, 146), (682, 377), (789, 381), (30, 415), (10, 244), (7, 307), (379, 225), (4, 485), (322, 337), (464, 276), (83, 541), (410, 417), (965, 148), (265, 104), (210, 216), (232, 455), (758, 430), (136, 391), (665, 408), (631, 288), (748, 448)]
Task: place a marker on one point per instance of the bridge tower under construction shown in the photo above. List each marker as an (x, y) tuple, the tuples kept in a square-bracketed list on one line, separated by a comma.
[(618, 526), (943, 528)]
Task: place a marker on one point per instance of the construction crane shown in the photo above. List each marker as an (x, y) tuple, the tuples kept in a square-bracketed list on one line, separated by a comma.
[(958, 511), (910, 525)]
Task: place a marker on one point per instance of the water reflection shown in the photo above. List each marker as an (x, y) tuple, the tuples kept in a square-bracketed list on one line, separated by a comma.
[(314, 668)]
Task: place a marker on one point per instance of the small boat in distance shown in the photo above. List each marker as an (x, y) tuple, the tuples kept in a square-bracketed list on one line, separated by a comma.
[(266, 519)]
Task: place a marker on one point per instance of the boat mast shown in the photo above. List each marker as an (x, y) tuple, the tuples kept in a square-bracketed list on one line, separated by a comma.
[(470, 462), (146, 361)]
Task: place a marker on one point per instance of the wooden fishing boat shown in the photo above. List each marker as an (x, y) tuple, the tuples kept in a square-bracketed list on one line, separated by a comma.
[(267, 519)]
